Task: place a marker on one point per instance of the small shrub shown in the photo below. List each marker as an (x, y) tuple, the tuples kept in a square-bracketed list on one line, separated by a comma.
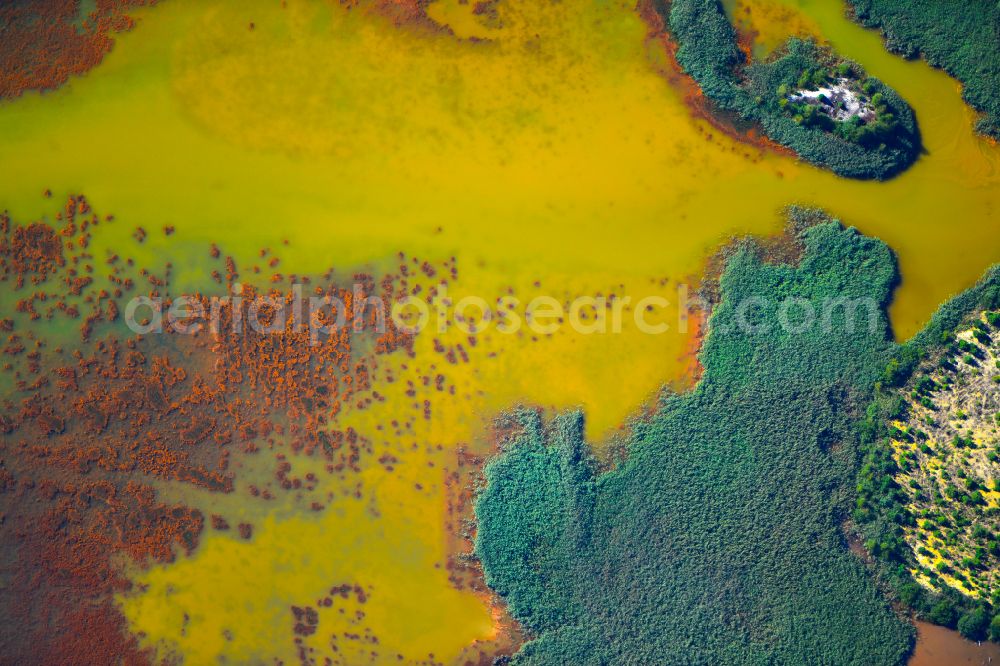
[(973, 625)]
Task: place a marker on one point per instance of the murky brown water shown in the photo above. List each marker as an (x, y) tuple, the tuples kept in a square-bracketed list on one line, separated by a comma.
[(937, 646)]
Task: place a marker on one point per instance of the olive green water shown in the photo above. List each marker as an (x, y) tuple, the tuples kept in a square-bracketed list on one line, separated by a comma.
[(555, 152)]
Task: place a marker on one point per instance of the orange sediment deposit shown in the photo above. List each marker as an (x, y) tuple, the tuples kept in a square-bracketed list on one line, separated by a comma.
[(34, 250), (698, 327), (61, 532), (252, 398), (90, 433), (462, 480), (45, 42)]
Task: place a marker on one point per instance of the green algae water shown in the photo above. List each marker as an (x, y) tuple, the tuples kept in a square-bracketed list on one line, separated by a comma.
[(549, 150)]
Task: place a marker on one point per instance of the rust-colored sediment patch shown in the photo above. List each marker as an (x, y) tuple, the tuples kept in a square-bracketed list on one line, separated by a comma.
[(45, 42), (697, 328), (88, 434), (97, 419), (400, 13), (465, 571)]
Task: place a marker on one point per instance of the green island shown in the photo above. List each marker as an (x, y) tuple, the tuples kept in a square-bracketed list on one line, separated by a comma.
[(961, 39), (929, 490), (804, 96), (719, 538)]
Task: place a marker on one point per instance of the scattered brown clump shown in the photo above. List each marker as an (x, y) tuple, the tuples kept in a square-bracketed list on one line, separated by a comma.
[(306, 620), (44, 42), (87, 434), (33, 250)]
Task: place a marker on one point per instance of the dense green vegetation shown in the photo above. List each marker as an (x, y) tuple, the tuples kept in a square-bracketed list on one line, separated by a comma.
[(927, 379), (887, 140), (718, 539), (963, 38), (876, 147), (880, 127)]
